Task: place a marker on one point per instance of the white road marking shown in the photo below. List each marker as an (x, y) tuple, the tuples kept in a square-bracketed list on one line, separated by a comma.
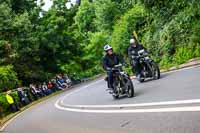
[(191, 101), (78, 90), (151, 110)]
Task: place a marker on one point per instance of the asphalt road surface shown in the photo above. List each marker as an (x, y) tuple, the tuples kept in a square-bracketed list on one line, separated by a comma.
[(168, 105)]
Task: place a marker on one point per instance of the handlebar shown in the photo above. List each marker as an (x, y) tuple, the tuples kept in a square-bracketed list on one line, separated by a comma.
[(119, 65), (141, 54), (116, 67)]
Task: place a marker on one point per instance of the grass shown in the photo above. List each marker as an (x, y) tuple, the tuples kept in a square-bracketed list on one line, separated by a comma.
[(177, 65)]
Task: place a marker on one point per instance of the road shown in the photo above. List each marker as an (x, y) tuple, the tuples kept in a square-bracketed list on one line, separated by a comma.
[(168, 105)]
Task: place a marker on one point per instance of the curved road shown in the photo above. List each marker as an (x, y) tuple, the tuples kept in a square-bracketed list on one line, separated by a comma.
[(168, 105)]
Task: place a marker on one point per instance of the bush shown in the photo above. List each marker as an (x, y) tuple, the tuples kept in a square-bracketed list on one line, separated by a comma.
[(197, 50), (124, 28), (8, 78), (4, 103), (185, 53)]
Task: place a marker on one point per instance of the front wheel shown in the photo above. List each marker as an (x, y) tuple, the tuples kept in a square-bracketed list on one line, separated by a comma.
[(115, 96), (130, 89), (156, 70), (116, 85)]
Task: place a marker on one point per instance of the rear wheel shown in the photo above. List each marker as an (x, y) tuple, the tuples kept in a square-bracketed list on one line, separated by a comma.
[(156, 70)]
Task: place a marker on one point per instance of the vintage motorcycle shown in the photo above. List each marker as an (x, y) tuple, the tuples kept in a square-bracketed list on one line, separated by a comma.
[(121, 82), (150, 68)]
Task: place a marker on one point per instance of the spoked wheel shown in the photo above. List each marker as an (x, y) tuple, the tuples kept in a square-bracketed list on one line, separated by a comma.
[(156, 70), (115, 93), (130, 91)]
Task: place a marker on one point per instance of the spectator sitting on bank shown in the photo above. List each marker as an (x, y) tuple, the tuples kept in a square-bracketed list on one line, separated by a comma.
[(22, 96), (40, 90), (56, 85), (27, 92), (67, 80), (61, 82), (34, 91), (50, 86), (45, 89), (12, 104)]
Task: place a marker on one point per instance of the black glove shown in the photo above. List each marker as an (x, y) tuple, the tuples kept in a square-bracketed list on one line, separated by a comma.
[(134, 57), (108, 68), (125, 64)]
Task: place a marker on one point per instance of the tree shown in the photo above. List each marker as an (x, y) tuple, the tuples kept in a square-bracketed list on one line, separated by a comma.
[(105, 11), (84, 18), (123, 29), (8, 78)]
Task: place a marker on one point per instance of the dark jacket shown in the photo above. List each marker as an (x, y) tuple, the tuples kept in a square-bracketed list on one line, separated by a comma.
[(134, 50), (110, 61)]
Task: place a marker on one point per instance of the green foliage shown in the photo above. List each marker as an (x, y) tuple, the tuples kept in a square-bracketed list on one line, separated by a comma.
[(105, 11), (5, 105), (8, 78), (170, 28), (124, 5), (186, 52), (197, 51), (85, 17), (39, 44), (123, 29), (3, 102), (95, 47)]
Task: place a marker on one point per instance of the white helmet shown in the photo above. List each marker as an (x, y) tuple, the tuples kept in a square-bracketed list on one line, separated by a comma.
[(107, 47), (132, 41)]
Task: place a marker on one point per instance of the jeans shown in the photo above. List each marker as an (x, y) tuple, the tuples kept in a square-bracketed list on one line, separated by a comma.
[(137, 67), (110, 79)]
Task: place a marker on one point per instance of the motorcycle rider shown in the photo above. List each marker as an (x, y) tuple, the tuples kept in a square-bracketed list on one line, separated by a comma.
[(133, 51), (109, 61)]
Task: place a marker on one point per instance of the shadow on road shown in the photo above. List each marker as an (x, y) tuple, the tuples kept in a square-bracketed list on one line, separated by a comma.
[(164, 75), (144, 91), (138, 93), (151, 79)]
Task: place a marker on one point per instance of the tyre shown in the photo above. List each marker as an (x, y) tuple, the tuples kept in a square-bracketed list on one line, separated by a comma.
[(156, 70), (115, 93), (130, 91), (115, 96)]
